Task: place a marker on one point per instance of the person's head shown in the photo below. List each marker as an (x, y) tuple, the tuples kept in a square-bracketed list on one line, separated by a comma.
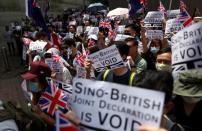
[(123, 49), (72, 29), (189, 86), (155, 46), (163, 60), (159, 81), (70, 46), (132, 30), (37, 74), (133, 47)]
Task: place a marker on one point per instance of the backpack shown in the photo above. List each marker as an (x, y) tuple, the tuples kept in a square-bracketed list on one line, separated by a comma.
[(25, 119), (130, 83)]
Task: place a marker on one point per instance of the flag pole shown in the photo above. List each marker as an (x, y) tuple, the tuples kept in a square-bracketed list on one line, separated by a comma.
[(170, 5)]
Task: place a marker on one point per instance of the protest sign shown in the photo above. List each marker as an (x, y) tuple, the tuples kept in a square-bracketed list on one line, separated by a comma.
[(106, 58), (80, 72), (120, 29), (173, 26), (108, 106), (187, 49), (154, 19), (37, 45), (171, 14), (79, 30), (93, 31), (54, 65), (154, 34), (121, 37)]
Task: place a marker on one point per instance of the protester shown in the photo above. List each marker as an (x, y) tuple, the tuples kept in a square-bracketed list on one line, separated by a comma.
[(120, 75), (188, 100), (163, 60), (136, 61), (9, 40)]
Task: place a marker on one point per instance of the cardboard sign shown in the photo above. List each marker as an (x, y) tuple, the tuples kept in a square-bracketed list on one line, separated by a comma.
[(154, 34), (93, 31), (171, 14), (106, 58), (37, 45), (56, 66), (154, 19), (173, 26), (187, 49), (121, 29), (79, 30), (80, 72), (63, 86), (120, 37), (113, 107)]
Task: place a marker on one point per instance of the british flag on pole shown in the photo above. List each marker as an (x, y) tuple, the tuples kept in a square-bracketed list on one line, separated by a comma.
[(161, 7), (62, 124), (53, 98), (184, 16), (105, 24)]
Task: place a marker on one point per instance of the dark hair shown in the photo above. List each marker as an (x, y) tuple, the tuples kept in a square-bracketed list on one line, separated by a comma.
[(156, 80), (122, 47), (134, 27), (165, 50), (70, 42), (135, 42)]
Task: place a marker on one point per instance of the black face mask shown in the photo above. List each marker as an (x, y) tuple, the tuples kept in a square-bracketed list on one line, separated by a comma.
[(127, 33)]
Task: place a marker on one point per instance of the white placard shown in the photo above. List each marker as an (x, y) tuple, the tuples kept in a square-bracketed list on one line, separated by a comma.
[(187, 49), (79, 30), (106, 58), (154, 17), (154, 34), (121, 37), (107, 106), (54, 65), (37, 45), (93, 31), (171, 14), (173, 26), (121, 29)]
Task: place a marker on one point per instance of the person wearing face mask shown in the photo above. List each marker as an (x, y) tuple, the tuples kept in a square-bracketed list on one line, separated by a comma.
[(121, 75), (159, 81), (188, 100), (137, 63), (163, 60)]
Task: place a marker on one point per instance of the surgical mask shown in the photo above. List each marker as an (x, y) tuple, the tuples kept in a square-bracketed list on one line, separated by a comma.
[(191, 100), (154, 50), (33, 87), (163, 67)]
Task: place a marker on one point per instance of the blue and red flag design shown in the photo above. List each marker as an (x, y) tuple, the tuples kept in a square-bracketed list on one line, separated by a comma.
[(53, 98)]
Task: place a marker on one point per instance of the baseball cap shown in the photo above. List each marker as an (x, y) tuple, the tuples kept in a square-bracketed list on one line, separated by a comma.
[(38, 69)]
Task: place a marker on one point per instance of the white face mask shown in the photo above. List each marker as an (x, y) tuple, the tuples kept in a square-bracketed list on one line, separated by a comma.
[(163, 67), (192, 100)]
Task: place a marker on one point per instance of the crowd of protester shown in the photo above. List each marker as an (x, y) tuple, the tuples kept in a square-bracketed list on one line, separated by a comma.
[(149, 64)]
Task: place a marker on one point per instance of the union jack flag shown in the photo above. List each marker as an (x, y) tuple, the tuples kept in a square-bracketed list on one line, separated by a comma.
[(161, 7), (91, 43), (105, 24), (62, 124), (53, 98), (184, 16)]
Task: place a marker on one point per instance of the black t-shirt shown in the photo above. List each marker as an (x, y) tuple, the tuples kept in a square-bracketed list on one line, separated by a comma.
[(192, 122), (111, 77)]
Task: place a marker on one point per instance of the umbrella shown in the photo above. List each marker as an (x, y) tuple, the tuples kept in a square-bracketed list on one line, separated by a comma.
[(95, 7), (118, 12)]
